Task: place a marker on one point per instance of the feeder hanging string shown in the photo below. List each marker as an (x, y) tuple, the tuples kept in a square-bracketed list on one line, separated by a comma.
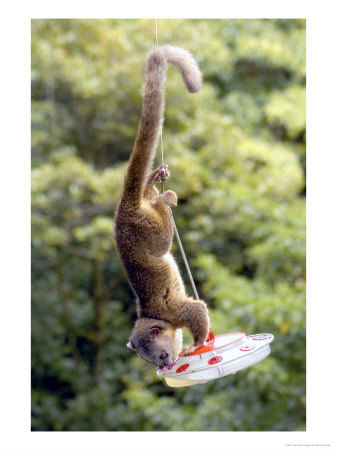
[(174, 224)]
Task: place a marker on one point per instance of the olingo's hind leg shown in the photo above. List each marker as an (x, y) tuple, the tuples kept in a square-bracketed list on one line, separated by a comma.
[(168, 197)]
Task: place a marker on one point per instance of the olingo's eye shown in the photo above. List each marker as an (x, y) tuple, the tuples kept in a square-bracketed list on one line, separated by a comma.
[(163, 355)]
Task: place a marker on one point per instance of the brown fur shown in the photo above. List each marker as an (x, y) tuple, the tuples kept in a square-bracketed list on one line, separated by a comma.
[(144, 230)]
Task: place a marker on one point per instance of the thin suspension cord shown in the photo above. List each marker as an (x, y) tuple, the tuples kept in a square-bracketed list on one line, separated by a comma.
[(161, 127), (156, 32), (173, 221), (184, 257)]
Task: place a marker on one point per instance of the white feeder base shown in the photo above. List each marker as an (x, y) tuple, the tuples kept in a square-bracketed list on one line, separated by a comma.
[(226, 355)]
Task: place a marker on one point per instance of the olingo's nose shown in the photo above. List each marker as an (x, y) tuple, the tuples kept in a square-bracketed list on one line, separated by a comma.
[(165, 363), (167, 366)]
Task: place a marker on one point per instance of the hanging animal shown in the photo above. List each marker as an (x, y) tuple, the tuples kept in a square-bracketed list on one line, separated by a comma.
[(144, 230)]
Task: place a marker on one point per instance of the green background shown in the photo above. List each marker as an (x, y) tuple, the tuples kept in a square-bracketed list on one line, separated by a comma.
[(236, 152)]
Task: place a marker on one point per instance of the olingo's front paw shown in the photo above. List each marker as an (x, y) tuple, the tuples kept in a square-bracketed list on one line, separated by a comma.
[(189, 349)]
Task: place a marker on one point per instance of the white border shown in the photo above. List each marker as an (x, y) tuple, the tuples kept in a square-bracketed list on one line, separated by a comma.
[(321, 215)]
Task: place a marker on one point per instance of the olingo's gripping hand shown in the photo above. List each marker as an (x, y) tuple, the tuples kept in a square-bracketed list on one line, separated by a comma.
[(163, 174)]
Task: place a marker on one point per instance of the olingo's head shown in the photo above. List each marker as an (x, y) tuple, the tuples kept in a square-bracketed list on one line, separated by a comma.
[(156, 341)]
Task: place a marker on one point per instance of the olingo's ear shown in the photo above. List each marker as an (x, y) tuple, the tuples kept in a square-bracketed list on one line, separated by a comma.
[(130, 345), (154, 331)]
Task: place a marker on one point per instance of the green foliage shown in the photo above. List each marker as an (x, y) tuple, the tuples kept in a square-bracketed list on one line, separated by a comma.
[(236, 151)]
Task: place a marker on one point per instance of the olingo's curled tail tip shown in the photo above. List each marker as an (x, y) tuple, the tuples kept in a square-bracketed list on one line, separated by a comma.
[(183, 61), (187, 66), (193, 85)]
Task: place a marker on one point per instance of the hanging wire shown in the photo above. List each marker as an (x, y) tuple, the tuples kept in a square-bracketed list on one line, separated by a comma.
[(189, 273), (161, 127), (156, 32), (173, 221)]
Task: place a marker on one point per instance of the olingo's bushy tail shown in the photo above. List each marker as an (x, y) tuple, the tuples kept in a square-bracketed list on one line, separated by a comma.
[(143, 153)]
